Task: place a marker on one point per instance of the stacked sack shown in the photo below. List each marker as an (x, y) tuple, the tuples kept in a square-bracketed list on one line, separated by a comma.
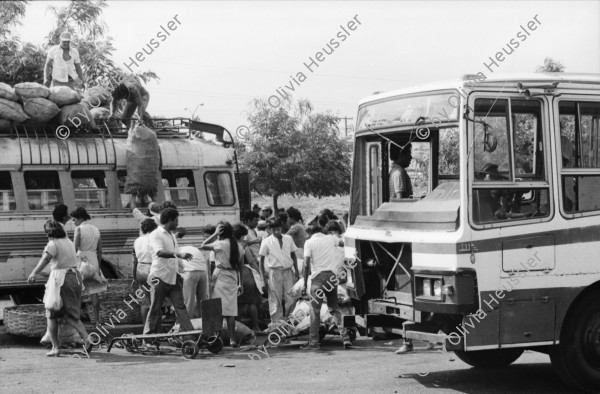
[(73, 112), (10, 110), (98, 99)]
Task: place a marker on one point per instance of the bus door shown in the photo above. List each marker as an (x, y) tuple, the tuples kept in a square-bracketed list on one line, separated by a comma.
[(511, 197)]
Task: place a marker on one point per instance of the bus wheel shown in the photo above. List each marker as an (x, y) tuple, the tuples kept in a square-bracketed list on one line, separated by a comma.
[(576, 359), (493, 358)]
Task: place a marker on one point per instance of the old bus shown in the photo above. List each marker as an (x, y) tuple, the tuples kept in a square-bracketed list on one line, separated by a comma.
[(496, 250), (89, 169)]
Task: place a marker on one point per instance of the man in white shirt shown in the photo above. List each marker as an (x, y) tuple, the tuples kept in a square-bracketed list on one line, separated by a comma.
[(65, 64), (277, 252), (195, 278), (163, 274), (320, 262)]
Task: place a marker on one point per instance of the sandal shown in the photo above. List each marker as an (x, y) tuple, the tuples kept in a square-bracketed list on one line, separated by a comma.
[(87, 347)]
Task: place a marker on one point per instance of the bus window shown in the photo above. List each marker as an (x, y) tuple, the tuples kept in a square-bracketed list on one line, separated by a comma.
[(43, 189), (580, 151), (418, 171), (179, 187), (90, 189), (219, 188), (510, 153), (448, 155), (6, 192)]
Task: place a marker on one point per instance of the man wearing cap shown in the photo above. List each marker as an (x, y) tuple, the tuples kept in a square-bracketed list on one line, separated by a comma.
[(266, 212), (400, 184), (65, 64)]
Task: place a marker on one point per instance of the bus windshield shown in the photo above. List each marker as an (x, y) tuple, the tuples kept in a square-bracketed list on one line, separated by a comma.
[(438, 108)]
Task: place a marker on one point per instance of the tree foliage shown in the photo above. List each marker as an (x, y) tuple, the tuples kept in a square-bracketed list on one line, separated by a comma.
[(24, 62), (292, 150), (550, 65)]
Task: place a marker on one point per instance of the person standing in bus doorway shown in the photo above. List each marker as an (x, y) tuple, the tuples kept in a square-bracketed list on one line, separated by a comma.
[(400, 184), (279, 252), (65, 64), (137, 98)]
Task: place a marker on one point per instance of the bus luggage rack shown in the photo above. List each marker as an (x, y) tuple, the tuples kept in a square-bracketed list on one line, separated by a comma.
[(113, 128)]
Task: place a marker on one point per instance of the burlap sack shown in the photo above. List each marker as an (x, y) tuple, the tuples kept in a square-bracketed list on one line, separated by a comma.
[(63, 95), (100, 113), (76, 115), (97, 96), (12, 111), (5, 125), (27, 90), (40, 109), (143, 160), (7, 92)]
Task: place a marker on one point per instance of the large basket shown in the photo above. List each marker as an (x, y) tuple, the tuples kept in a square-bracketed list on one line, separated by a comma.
[(27, 320), (119, 298)]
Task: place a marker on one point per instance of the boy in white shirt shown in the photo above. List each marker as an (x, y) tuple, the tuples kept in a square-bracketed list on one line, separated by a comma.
[(277, 252)]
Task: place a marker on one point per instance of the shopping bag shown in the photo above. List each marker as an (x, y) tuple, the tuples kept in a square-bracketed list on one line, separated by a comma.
[(88, 271), (52, 300)]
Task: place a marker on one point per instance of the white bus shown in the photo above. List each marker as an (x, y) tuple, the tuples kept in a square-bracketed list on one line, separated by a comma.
[(497, 250), (89, 169)]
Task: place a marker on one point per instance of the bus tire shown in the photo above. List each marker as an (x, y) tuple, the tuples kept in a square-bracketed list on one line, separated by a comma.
[(493, 358), (576, 359)]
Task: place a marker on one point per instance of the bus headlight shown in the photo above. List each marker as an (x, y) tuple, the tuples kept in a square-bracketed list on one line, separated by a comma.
[(437, 287), (426, 287)]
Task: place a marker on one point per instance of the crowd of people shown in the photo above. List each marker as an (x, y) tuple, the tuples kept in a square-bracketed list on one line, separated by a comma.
[(242, 264)]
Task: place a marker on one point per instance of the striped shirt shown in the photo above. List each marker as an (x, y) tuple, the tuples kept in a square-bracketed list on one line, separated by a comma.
[(400, 185)]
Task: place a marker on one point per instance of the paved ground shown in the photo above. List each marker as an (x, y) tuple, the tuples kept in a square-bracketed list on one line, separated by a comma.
[(371, 366)]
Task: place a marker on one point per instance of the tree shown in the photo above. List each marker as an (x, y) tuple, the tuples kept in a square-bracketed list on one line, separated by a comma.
[(550, 66), (292, 150), (25, 62)]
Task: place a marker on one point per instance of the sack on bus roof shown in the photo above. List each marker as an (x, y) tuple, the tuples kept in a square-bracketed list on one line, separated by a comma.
[(7, 92), (76, 115), (5, 125), (12, 111), (100, 113), (143, 159), (27, 90), (63, 95), (40, 109), (97, 96)]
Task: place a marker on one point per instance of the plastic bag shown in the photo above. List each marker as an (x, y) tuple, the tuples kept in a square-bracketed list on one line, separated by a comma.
[(52, 300), (88, 271)]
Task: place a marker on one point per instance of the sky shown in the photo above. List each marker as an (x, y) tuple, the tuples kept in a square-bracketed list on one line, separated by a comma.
[(224, 54)]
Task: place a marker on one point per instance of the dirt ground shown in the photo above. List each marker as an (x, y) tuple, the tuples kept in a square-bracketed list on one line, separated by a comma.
[(371, 366)]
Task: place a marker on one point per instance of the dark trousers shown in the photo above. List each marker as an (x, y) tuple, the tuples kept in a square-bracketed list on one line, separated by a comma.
[(326, 283), (158, 294)]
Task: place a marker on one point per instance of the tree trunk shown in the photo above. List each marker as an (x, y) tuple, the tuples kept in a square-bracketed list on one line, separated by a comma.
[(275, 197)]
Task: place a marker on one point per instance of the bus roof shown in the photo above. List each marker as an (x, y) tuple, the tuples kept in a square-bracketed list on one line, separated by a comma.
[(496, 79)]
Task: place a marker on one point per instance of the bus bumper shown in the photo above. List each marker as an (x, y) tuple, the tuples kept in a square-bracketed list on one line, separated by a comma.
[(415, 331)]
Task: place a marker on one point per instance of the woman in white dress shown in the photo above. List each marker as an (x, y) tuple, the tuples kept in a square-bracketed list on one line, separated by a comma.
[(89, 247)]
